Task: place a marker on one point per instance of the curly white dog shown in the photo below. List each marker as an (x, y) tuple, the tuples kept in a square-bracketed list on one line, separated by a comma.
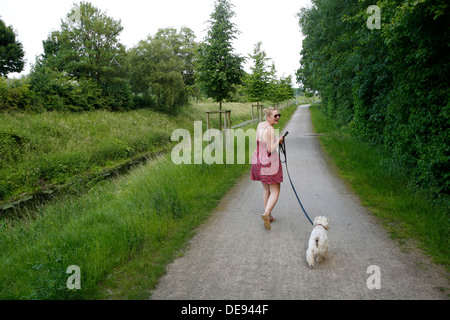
[(318, 241)]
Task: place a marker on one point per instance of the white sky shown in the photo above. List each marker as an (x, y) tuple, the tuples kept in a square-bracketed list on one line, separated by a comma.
[(270, 21)]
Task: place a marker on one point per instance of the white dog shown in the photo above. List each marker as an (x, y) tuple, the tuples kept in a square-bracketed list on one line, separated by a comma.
[(318, 241)]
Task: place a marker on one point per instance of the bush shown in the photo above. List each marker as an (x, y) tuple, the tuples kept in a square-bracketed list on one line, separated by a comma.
[(61, 93), (16, 94)]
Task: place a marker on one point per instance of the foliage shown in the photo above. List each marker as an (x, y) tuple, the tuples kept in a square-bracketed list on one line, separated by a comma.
[(263, 84), (16, 94), (257, 83), (59, 92), (279, 89), (87, 50), (389, 86), (219, 69), (184, 46), (11, 51), (162, 68)]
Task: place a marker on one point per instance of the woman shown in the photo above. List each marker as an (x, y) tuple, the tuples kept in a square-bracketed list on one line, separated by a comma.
[(266, 165)]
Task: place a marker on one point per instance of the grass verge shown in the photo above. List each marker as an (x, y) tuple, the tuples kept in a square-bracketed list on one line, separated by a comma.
[(382, 187)]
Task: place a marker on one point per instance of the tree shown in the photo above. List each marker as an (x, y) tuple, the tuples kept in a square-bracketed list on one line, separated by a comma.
[(327, 52), (88, 47), (273, 84), (285, 90), (389, 85), (11, 51), (162, 67), (157, 71), (184, 46), (220, 70), (257, 83)]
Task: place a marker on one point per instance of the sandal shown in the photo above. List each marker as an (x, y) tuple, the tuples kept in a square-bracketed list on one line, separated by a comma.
[(266, 221)]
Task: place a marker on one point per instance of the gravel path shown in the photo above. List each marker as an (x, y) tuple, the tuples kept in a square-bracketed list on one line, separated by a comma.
[(234, 257)]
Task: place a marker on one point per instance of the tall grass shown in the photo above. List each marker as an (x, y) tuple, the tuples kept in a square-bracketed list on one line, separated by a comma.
[(150, 208), (383, 187), (121, 233), (52, 148)]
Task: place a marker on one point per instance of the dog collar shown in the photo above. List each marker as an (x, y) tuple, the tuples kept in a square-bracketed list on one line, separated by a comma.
[(321, 226)]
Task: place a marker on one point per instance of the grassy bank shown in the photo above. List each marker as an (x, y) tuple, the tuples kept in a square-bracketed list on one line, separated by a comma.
[(382, 186), (53, 148), (121, 233)]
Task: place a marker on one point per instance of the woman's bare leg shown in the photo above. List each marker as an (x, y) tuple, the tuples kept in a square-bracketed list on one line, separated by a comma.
[(273, 198), (266, 194), (273, 194)]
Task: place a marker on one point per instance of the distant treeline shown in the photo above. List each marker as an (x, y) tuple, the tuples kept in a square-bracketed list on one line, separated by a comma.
[(85, 67), (383, 72)]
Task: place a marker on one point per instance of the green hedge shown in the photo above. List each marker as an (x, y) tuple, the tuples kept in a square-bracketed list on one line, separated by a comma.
[(388, 86)]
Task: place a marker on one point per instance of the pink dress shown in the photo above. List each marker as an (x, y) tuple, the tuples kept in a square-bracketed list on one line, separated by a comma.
[(266, 166)]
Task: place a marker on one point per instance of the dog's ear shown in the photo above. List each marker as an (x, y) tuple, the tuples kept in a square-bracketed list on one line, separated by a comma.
[(315, 221)]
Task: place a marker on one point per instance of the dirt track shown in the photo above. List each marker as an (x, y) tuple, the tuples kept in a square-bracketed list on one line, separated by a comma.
[(233, 257)]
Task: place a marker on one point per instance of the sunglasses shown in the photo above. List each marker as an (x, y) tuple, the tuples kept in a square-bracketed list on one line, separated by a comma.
[(277, 116)]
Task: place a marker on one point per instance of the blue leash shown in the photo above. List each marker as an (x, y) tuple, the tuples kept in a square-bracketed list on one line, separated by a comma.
[(283, 150)]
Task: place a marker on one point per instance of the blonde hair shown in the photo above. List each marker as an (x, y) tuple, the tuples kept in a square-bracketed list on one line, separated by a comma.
[(269, 111)]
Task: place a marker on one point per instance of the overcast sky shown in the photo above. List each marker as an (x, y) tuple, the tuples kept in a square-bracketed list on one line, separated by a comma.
[(270, 21)]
